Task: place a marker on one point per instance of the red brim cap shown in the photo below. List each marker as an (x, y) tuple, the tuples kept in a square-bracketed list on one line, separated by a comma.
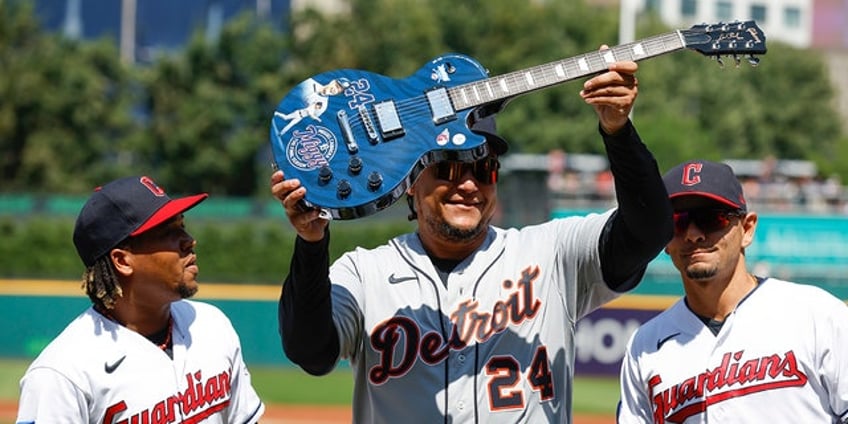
[(170, 210)]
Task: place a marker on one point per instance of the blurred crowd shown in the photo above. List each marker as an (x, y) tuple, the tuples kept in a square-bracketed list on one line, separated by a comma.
[(770, 184)]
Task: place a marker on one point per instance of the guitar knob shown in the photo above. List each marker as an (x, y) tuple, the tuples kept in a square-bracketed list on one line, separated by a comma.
[(343, 189), (375, 180), (355, 165), (325, 174)]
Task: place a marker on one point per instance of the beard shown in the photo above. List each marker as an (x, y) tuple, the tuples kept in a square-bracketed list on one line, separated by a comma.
[(454, 234), (185, 291), (699, 273)]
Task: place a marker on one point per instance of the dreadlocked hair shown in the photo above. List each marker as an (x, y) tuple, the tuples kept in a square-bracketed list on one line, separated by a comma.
[(101, 283)]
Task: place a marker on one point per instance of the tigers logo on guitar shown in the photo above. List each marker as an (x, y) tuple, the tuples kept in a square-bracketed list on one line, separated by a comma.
[(311, 148)]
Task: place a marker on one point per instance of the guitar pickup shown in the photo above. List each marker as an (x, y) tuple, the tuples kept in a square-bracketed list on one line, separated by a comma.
[(388, 120), (440, 105)]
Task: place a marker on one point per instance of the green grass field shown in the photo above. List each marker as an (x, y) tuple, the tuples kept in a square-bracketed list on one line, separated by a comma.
[(284, 385)]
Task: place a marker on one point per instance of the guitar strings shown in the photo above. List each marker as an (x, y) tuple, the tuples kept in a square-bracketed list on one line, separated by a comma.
[(540, 76)]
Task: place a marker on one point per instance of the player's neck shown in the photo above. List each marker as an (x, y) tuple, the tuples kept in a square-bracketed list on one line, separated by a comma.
[(450, 250), (144, 322), (717, 299)]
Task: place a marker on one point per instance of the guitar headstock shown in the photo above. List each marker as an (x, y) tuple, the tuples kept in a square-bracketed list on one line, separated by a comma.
[(725, 39)]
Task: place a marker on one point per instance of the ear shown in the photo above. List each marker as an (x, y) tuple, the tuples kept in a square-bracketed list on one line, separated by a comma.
[(749, 225), (122, 260)]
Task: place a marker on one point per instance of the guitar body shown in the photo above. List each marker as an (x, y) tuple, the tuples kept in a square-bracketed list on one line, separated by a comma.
[(357, 140), (386, 126)]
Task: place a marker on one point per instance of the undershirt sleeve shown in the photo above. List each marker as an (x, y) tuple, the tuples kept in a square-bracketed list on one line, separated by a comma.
[(305, 314), (642, 224)]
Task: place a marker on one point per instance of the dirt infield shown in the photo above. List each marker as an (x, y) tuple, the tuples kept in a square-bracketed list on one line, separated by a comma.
[(337, 415), (287, 414)]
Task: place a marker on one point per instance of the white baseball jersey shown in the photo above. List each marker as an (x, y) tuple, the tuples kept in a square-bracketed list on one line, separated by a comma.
[(780, 357), (97, 371), (494, 346)]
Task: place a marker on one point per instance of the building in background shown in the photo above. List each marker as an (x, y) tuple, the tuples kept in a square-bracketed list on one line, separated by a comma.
[(145, 29), (815, 24), (818, 24), (789, 21)]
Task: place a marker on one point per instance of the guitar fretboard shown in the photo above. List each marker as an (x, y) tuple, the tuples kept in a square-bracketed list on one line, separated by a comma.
[(512, 84)]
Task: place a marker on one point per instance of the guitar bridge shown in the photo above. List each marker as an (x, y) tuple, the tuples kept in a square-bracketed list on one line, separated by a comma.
[(388, 120), (368, 123)]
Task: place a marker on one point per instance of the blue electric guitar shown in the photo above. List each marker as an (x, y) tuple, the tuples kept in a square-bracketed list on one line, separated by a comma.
[(357, 140)]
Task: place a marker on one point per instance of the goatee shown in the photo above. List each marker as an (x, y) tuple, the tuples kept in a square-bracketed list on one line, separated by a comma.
[(185, 291), (455, 234), (701, 274)]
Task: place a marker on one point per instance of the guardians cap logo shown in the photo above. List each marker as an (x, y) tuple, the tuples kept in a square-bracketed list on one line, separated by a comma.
[(311, 148)]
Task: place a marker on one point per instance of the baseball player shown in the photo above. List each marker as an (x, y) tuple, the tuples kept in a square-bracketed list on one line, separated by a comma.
[(462, 321), (737, 348), (141, 353)]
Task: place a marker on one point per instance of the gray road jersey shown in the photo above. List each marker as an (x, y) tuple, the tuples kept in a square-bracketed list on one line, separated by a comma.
[(495, 346)]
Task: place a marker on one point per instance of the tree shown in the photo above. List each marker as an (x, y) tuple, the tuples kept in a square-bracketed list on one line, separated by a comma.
[(64, 107), (209, 110)]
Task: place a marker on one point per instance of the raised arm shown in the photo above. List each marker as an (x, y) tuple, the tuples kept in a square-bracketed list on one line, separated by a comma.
[(305, 314), (642, 224)]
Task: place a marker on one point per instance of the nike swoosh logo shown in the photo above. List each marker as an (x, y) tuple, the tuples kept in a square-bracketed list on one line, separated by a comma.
[(662, 341), (110, 368), (395, 280)]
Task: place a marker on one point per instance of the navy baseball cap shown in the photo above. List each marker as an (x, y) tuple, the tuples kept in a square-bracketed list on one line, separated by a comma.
[(122, 208), (707, 179), (486, 127)]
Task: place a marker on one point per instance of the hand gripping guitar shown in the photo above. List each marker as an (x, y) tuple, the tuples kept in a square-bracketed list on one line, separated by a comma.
[(357, 140)]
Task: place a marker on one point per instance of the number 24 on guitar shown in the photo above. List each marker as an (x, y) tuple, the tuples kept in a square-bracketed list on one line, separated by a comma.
[(356, 140)]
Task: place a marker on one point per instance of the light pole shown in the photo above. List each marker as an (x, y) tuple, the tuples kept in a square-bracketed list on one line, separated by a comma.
[(128, 31)]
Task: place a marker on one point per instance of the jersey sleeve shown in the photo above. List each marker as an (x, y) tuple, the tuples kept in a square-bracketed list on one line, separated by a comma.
[(49, 397), (347, 298), (245, 405), (634, 406), (577, 250), (834, 362)]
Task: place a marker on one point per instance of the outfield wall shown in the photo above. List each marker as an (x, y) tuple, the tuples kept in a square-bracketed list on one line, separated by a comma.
[(35, 311), (806, 249), (809, 249)]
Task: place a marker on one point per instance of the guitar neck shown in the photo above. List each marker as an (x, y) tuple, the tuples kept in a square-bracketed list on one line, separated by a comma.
[(502, 87)]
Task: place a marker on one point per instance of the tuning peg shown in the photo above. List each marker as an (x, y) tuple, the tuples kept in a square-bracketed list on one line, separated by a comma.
[(720, 61), (737, 60), (753, 60)]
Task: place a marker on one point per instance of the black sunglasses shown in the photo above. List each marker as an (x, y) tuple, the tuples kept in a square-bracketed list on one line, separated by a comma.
[(708, 220), (484, 170)]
